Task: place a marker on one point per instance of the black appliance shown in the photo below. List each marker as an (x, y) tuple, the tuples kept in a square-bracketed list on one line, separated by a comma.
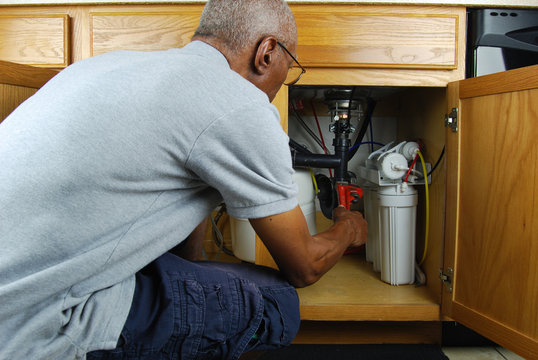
[(501, 39)]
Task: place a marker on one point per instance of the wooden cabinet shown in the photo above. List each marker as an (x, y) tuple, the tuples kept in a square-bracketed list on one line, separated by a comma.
[(485, 237), (383, 45), (485, 231)]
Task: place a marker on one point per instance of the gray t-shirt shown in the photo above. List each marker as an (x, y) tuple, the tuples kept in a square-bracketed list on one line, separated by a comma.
[(108, 166)]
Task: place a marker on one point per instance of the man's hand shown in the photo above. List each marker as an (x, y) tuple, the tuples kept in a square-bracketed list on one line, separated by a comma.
[(356, 223)]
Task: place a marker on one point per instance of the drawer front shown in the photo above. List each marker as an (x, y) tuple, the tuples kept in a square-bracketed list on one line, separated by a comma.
[(35, 40), (382, 40), (141, 31)]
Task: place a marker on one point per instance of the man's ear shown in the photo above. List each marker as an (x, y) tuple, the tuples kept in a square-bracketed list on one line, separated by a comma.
[(265, 54)]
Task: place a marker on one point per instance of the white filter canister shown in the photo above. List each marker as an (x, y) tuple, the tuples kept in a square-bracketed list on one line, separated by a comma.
[(397, 218), (306, 197), (244, 236), (368, 215), (371, 213), (243, 239)]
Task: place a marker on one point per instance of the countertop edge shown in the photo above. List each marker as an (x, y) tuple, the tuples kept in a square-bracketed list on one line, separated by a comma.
[(469, 3)]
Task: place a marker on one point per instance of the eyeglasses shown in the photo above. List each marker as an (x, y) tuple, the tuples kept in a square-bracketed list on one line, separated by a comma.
[(294, 73)]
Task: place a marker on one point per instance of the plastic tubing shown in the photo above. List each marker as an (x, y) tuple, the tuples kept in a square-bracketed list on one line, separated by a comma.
[(320, 133), (306, 128), (427, 227), (411, 168), (314, 181), (371, 137), (364, 143)]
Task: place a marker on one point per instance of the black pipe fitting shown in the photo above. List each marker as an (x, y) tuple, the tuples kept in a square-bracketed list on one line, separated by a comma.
[(315, 160)]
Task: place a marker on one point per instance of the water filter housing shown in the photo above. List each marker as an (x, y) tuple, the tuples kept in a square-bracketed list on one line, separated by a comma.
[(371, 214), (244, 236), (397, 219)]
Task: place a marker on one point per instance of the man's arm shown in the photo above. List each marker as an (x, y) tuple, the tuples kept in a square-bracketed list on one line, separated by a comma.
[(304, 258)]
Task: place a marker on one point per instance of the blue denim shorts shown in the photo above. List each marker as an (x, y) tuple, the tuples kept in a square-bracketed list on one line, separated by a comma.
[(206, 310)]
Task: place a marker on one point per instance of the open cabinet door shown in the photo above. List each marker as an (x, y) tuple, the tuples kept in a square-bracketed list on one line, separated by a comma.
[(491, 236), (18, 82)]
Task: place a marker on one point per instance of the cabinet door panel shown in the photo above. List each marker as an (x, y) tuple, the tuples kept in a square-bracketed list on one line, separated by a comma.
[(352, 36), (144, 31), (40, 40), (492, 209)]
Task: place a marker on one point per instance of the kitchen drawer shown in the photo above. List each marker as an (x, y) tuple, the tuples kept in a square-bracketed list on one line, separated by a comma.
[(377, 37), (143, 31), (40, 40)]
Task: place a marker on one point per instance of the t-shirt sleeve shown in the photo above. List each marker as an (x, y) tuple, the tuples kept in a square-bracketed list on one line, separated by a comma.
[(246, 157)]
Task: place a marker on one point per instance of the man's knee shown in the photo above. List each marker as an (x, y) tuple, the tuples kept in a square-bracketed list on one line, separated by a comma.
[(281, 318)]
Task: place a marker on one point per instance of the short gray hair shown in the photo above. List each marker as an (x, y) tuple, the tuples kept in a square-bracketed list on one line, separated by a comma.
[(242, 23)]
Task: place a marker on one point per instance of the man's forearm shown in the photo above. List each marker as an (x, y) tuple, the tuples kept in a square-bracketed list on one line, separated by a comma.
[(304, 258)]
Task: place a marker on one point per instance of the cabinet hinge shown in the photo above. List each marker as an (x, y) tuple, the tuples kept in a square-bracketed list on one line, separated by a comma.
[(451, 120), (446, 278)]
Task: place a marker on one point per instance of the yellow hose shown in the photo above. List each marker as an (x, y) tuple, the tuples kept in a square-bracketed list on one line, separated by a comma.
[(426, 231), (314, 181)]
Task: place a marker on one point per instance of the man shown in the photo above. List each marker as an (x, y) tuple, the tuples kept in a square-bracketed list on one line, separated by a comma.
[(117, 160)]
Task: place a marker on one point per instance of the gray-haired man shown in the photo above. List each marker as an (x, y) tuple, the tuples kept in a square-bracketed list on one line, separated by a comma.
[(117, 160)]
